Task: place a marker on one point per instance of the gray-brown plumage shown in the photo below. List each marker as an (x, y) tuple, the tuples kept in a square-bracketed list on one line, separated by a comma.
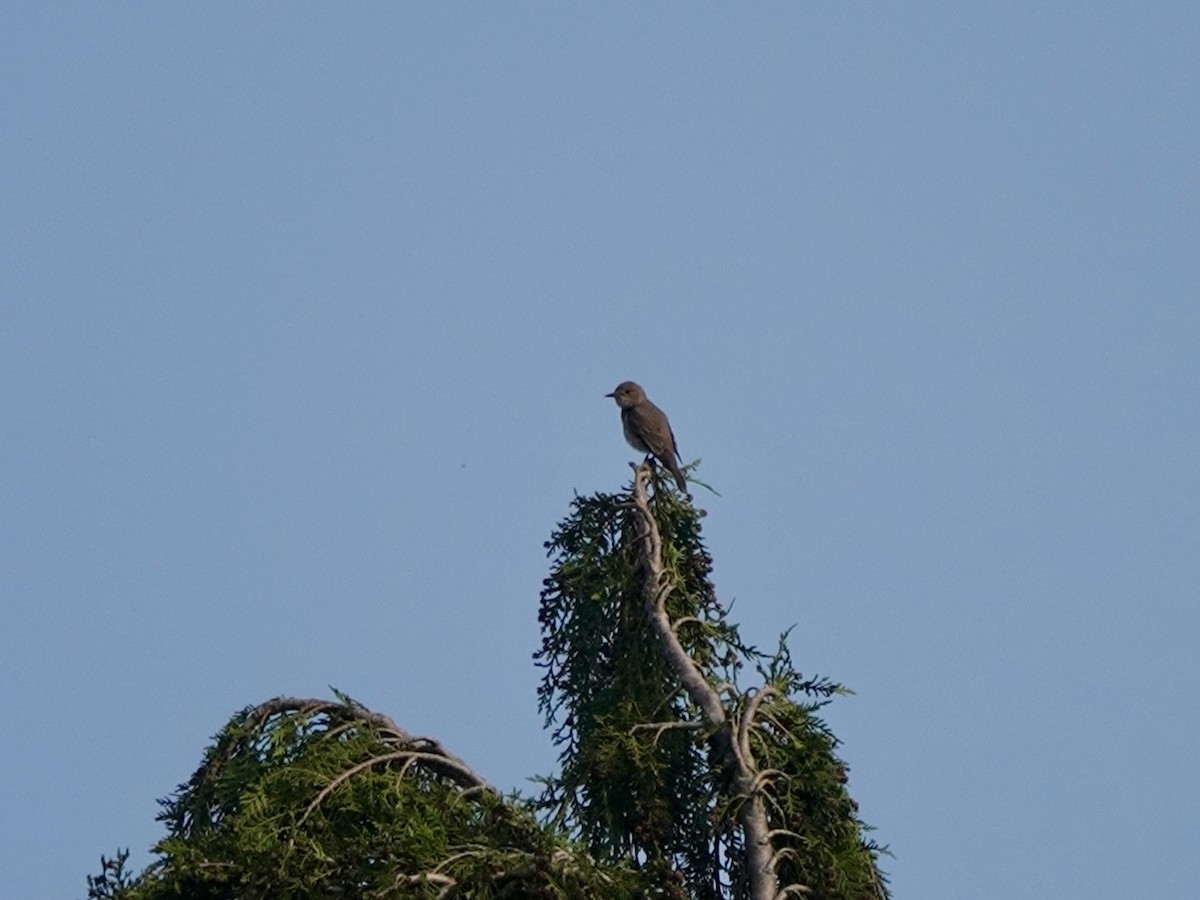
[(647, 429)]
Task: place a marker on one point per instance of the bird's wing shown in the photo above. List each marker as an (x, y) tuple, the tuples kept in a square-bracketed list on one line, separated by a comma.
[(655, 430)]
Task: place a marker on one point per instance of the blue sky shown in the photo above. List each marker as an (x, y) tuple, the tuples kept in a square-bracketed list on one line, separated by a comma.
[(306, 315)]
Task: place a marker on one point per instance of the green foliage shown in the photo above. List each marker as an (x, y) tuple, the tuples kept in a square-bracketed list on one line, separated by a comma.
[(301, 799), (829, 852), (658, 796), (324, 800), (114, 879), (625, 791)]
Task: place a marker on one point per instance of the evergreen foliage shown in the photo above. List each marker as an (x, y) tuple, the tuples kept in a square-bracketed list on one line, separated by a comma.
[(307, 798), (642, 780), (624, 787), (301, 799)]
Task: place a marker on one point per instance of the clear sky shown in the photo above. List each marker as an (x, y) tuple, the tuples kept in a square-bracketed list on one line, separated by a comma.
[(306, 315)]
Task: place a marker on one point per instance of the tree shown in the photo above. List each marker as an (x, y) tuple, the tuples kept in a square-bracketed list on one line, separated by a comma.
[(308, 798), (675, 782)]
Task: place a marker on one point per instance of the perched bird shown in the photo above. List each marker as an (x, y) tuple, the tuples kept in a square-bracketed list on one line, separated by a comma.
[(647, 429)]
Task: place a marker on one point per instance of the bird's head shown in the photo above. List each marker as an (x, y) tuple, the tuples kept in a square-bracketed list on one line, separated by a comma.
[(627, 394)]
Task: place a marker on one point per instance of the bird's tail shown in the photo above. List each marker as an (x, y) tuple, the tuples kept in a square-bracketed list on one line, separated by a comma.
[(680, 481)]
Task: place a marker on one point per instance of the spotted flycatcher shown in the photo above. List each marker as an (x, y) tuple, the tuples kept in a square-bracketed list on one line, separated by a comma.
[(647, 429)]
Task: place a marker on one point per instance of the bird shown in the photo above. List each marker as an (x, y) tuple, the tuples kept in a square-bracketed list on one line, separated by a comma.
[(647, 429)]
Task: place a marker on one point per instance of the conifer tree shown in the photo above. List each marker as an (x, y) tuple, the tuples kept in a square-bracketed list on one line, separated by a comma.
[(676, 781), (668, 764)]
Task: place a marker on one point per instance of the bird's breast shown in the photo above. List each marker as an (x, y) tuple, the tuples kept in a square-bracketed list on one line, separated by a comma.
[(631, 434)]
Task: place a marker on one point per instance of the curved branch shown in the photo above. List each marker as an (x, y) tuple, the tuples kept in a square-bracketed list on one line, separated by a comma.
[(748, 717), (659, 727), (685, 620), (343, 712), (434, 762), (657, 586), (425, 752), (431, 878), (437, 757), (752, 816), (792, 889), (783, 832), (765, 777)]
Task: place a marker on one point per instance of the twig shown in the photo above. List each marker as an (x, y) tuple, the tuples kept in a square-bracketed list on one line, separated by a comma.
[(659, 727), (342, 711), (447, 883), (783, 832), (793, 889), (747, 719)]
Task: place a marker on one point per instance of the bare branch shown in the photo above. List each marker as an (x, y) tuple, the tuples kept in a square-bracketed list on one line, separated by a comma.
[(659, 727), (747, 720), (783, 832), (752, 816), (463, 854), (426, 751), (658, 586), (446, 766), (765, 777), (793, 889), (447, 883), (341, 711)]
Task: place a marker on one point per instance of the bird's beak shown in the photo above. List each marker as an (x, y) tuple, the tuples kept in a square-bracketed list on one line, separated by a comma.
[(613, 394)]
